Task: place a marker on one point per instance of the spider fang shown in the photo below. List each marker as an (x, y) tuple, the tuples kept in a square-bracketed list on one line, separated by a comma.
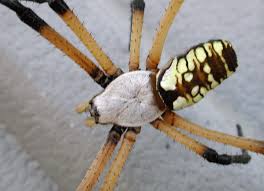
[(83, 107), (90, 122)]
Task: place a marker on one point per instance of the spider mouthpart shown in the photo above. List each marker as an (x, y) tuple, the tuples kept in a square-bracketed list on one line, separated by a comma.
[(90, 122), (89, 109), (83, 107)]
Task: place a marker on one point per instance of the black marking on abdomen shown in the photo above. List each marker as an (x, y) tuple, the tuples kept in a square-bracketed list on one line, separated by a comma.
[(216, 64), (230, 57), (208, 63)]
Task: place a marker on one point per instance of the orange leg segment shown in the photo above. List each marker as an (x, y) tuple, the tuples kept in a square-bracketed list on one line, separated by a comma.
[(103, 156), (202, 150), (119, 162), (62, 9), (240, 142), (161, 34), (30, 18), (137, 8)]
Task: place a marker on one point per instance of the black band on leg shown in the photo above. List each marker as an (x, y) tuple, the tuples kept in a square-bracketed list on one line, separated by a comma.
[(224, 159), (59, 6), (30, 18), (13, 5), (115, 133), (101, 78), (39, 1), (212, 156), (135, 5), (138, 5), (25, 14), (135, 129)]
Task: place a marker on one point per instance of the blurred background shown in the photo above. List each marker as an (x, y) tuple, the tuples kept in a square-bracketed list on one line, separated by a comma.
[(44, 144)]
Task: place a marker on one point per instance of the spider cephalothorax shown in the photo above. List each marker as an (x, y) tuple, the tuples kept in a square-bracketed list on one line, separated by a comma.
[(133, 99), (130, 100)]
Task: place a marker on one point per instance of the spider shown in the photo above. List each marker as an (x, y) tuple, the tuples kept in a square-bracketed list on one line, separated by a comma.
[(131, 100)]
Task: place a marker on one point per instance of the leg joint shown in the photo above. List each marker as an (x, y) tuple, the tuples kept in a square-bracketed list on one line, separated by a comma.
[(212, 156)]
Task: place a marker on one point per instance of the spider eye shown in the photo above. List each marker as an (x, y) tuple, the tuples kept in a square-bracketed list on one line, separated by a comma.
[(187, 78)]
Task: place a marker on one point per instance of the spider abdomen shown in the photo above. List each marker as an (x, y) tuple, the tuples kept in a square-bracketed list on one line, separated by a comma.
[(187, 78)]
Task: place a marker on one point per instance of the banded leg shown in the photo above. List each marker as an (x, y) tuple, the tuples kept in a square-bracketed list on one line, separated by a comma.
[(202, 150), (153, 58), (35, 22), (129, 138), (244, 143), (137, 18), (68, 16), (118, 163), (62, 9), (103, 156)]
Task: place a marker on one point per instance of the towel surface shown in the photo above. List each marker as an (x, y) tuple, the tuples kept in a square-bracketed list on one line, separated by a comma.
[(50, 148)]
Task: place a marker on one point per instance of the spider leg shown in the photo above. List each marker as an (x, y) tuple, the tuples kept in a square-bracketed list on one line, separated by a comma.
[(67, 15), (38, 1), (127, 144), (153, 58), (240, 134), (202, 150), (103, 156), (244, 143), (137, 18), (137, 9), (30, 18)]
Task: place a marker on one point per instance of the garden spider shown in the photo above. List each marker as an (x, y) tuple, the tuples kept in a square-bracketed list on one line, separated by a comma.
[(168, 119)]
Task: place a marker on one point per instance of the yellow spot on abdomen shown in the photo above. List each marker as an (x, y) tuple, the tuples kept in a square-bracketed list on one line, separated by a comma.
[(200, 53), (203, 91), (195, 90), (169, 78), (190, 58), (197, 98), (182, 66), (211, 79), (207, 68), (208, 47), (180, 103), (218, 47), (188, 77)]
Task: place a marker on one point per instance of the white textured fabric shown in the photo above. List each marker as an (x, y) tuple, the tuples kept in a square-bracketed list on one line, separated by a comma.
[(18, 171), (39, 88)]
